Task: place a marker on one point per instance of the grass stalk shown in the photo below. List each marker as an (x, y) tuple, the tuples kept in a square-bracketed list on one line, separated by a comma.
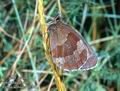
[(46, 45)]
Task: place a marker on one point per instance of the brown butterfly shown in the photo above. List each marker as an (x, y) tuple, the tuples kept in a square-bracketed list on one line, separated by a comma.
[(69, 50)]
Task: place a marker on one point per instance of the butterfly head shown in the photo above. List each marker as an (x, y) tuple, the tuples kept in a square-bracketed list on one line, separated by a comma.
[(53, 26)]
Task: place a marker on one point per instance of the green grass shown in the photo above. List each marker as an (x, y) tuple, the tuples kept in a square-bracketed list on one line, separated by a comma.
[(22, 55)]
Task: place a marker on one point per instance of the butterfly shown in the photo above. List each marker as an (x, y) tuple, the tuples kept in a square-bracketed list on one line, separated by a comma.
[(69, 50)]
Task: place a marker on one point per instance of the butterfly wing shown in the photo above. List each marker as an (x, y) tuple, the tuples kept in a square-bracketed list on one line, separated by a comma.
[(68, 48)]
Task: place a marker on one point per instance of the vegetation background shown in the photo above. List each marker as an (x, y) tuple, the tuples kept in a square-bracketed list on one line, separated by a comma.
[(23, 66)]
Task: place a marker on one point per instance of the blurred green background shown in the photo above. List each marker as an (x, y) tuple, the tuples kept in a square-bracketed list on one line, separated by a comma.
[(22, 60)]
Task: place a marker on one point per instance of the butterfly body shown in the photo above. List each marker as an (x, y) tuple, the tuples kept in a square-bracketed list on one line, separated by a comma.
[(68, 48)]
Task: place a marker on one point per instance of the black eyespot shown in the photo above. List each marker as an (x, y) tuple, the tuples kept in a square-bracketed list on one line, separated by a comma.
[(58, 18)]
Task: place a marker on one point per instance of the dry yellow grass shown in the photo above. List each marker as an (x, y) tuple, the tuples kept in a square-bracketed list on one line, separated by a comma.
[(46, 45)]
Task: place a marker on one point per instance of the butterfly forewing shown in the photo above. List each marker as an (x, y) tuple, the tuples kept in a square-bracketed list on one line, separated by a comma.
[(68, 48)]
